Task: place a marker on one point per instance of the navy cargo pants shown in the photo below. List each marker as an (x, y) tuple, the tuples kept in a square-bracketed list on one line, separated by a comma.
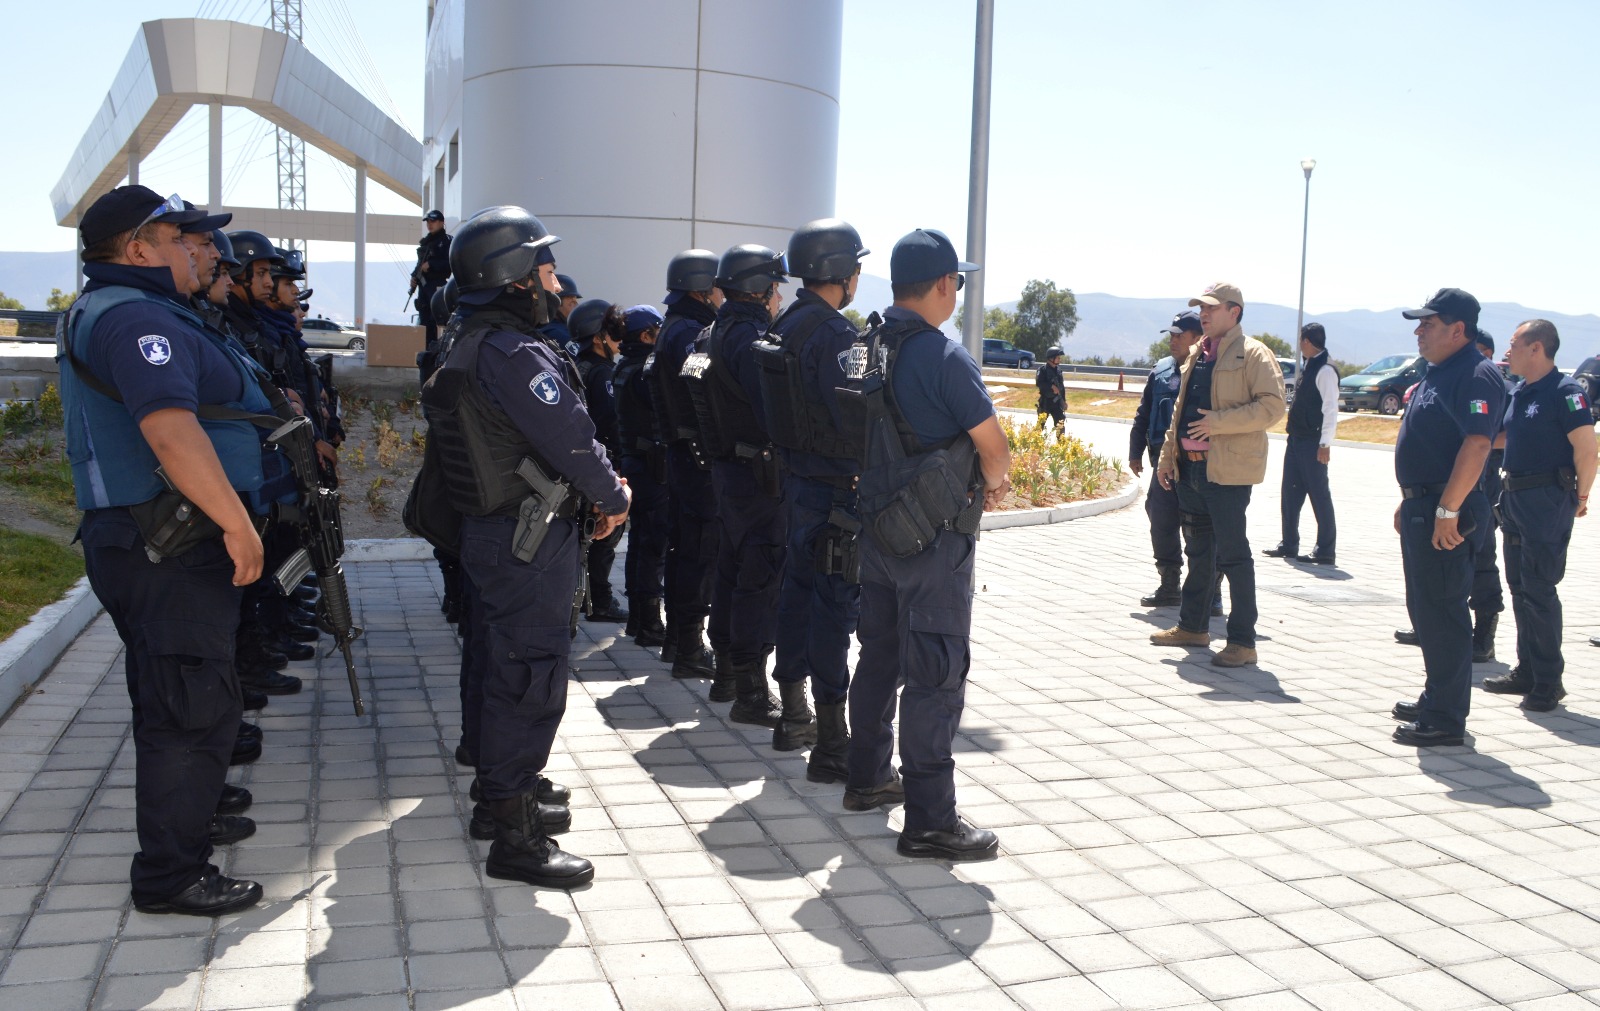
[(750, 556), (817, 614), (177, 620), (1538, 526), (1437, 585), (916, 626), (692, 536), (521, 614), (647, 532)]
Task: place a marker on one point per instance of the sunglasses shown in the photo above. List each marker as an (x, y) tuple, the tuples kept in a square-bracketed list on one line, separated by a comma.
[(171, 205), (961, 281)]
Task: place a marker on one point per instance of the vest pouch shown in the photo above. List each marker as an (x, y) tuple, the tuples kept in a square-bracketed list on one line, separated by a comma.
[(906, 502), (710, 434), (428, 512), (782, 396), (171, 525)]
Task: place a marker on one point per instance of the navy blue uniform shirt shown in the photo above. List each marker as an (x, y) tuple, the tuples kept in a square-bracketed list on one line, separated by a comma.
[(937, 385), (1539, 417), (597, 370), (152, 359), (1461, 396), (528, 380), (821, 371), (685, 320)]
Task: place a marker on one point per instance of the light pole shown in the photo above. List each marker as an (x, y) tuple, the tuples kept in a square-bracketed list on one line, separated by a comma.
[(1305, 224), (978, 180)]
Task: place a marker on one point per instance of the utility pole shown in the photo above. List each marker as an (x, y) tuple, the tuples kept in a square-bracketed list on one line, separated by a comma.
[(978, 180), (286, 17), (1305, 230)]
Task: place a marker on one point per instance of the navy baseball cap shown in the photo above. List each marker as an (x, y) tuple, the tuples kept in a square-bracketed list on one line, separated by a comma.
[(569, 287), (641, 317), (1452, 302), (1483, 339), (128, 207), (209, 223), (433, 216), (925, 255), (1184, 322)]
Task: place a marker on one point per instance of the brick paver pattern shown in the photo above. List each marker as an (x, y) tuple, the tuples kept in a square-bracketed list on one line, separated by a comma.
[(1172, 834)]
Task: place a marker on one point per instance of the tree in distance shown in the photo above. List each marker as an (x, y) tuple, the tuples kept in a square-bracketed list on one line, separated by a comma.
[(1279, 346), (1045, 317), (59, 302), (856, 319), (7, 302)]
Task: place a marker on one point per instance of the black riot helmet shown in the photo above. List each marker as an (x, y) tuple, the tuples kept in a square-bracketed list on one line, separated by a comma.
[(692, 270), (224, 245), (452, 297), (825, 250), (587, 318), (750, 268), (436, 306), (291, 264), (496, 247), (249, 247)]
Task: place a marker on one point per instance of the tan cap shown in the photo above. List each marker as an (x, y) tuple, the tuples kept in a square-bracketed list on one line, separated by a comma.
[(1218, 293)]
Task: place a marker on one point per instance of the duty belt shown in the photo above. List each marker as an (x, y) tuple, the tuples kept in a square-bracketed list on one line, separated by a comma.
[(1193, 455), (1420, 490), (1565, 477)]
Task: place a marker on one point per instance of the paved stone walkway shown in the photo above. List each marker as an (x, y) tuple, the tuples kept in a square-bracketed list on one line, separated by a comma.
[(1173, 835)]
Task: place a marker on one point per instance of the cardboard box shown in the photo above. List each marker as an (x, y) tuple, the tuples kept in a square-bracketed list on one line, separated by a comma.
[(392, 345)]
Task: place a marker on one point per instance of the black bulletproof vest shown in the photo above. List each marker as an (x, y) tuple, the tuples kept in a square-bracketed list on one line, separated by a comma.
[(635, 426), (1198, 395), (1305, 414)]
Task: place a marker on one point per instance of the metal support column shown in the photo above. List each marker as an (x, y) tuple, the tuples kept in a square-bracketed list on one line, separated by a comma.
[(978, 185), (133, 162), (214, 163), (361, 243)]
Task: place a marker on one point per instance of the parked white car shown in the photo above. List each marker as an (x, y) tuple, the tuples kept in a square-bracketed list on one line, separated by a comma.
[(321, 332)]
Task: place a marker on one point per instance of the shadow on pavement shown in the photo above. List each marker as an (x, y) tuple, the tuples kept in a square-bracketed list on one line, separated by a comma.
[(1231, 684), (1568, 725), (1476, 778)]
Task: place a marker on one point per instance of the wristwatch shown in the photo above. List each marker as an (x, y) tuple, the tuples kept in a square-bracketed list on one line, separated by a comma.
[(1446, 514)]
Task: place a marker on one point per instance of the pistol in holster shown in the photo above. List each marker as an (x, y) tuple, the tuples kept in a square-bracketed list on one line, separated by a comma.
[(838, 549), (766, 467), (552, 499)]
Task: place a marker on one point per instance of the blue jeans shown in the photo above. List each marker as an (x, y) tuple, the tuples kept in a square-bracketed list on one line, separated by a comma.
[(1215, 541), (1437, 585)]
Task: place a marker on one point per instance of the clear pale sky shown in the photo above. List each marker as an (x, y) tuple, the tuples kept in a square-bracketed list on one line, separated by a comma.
[(1142, 149)]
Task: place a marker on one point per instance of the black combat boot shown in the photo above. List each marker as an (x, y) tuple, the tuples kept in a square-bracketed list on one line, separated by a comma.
[(724, 682), (797, 728), (669, 649), (553, 818), (1167, 594), (252, 647), (522, 851), (645, 615), (1483, 636), (631, 629), (754, 702), (606, 610), (830, 759), (694, 659)]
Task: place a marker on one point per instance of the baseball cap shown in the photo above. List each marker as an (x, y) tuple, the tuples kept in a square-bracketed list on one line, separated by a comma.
[(925, 255), (569, 287), (433, 216), (1483, 339), (1219, 293), (127, 207), (1452, 302), (1186, 321), (209, 223), (641, 317)]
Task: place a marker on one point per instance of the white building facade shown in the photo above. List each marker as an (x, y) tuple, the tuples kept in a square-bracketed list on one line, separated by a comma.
[(635, 128)]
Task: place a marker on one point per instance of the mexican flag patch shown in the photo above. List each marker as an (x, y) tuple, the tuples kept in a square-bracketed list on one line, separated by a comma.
[(1577, 402), (1478, 407)]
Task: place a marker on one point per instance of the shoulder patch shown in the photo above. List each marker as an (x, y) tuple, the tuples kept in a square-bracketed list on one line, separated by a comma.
[(1478, 407), (1577, 402), (155, 349), (544, 387)]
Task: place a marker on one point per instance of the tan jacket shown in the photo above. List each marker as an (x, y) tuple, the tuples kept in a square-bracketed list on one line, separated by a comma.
[(1246, 399)]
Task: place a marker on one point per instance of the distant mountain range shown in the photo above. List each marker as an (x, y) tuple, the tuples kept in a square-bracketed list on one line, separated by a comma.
[(1107, 324)]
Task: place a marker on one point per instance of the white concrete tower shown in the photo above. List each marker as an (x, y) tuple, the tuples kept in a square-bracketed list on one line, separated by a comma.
[(635, 128)]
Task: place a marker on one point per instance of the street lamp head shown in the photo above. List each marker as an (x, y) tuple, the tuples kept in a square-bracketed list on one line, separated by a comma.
[(1308, 164)]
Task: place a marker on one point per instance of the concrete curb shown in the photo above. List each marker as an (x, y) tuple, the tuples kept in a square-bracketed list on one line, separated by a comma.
[(1061, 513), (34, 648)]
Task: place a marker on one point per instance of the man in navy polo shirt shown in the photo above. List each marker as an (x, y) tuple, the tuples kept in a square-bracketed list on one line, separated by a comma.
[(136, 366), (916, 611), (1550, 467), (1443, 514)]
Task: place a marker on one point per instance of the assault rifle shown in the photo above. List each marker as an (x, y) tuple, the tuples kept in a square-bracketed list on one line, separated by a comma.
[(315, 518)]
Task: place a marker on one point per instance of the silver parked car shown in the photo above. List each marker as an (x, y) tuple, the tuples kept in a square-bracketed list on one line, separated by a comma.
[(321, 332)]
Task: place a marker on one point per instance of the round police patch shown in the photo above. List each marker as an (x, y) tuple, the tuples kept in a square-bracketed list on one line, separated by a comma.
[(155, 349), (544, 387)]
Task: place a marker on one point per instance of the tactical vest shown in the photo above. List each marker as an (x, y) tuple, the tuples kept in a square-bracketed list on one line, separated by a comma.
[(707, 430), (635, 424), (1305, 414), (479, 445), (909, 492), (1163, 396), (676, 418), (797, 418), (112, 464)]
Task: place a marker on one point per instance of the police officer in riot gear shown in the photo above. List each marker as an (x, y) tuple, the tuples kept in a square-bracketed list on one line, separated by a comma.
[(596, 327), (692, 528), (746, 474), (916, 598), (138, 369), (431, 272), (522, 467), (570, 296), (643, 461), (820, 601)]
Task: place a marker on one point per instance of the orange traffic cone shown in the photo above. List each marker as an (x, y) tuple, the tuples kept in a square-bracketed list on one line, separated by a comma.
[(1119, 382)]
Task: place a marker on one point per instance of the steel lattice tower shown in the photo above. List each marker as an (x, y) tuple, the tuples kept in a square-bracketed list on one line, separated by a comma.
[(286, 17)]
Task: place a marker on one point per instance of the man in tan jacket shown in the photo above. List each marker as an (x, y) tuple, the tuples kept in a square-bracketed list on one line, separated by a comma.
[(1232, 391)]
